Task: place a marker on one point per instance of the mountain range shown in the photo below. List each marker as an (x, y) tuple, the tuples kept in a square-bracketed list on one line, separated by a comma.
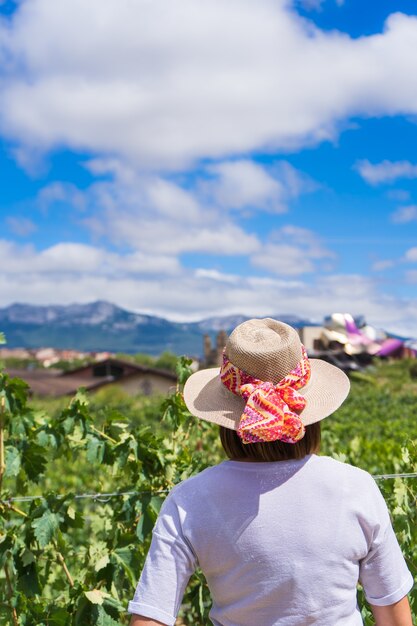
[(103, 326)]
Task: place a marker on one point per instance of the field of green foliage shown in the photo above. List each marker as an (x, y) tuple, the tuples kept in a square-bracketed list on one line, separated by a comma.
[(71, 558)]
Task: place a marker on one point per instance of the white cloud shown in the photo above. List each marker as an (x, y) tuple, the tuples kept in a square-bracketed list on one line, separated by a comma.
[(411, 255), (405, 214), (311, 5), (187, 295), (21, 226), (316, 5), (411, 277), (76, 259), (155, 215), (155, 235), (216, 275), (386, 171), (400, 195), (160, 236), (246, 184), (139, 263), (295, 181), (292, 251), (168, 82), (57, 193), (69, 257), (303, 237), (166, 217), (62, 257), (380, 266), (266, 282), (169, 200), (283, 259), (150, 214)]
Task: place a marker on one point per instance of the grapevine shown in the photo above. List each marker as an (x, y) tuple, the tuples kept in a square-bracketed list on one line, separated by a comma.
[(81, 487)]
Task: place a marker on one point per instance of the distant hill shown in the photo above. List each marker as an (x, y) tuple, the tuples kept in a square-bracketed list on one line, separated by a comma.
[(102, 326)]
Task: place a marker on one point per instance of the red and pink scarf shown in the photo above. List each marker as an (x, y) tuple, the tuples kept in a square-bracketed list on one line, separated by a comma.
[(271, 411)]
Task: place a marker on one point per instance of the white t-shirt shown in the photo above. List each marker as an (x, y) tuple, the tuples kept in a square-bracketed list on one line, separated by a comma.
[(280, 544)]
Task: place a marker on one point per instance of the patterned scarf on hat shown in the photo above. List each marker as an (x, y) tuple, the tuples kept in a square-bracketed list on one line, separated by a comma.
[(269, 412)]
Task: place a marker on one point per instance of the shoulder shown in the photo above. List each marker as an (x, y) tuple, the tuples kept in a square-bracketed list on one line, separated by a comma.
[(353, 488), (337, 471), (331, 464)]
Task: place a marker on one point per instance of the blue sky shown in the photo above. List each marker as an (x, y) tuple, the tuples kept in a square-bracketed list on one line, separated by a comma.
[(188, 159)]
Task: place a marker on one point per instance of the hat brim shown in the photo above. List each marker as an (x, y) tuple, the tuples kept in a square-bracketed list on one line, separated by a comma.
[(207, 398)]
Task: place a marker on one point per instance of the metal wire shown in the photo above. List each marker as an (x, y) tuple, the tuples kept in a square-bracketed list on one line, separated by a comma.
[(385, 476), (97, 497), (105, 497)]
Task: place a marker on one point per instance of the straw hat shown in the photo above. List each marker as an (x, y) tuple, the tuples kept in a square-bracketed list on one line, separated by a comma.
[(268, 350)]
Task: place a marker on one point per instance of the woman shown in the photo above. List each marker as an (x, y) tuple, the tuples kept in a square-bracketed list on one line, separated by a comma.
[(281, 534)]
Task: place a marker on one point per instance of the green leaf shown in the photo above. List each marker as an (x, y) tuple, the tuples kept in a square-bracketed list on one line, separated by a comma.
[(15, 393), (95, 596), (12, 461), (83, 612), (125, 557), (156, 503), (144, 526), (101, 563), (33, 461), (406, 457), (183, 369), (28, 578), (104, 619), (71, 512), (73, 518), (58, 617), (45, 527), (27, 557), (150, 507), (47, 439), (6, 544), (95, 450), (99, 554)]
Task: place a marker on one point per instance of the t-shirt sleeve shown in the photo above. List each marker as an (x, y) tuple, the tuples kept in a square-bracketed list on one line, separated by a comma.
[(168, 567), (383, 574)]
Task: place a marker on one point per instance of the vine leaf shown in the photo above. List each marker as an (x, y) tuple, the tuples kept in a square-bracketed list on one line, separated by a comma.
[(95, 596), (95, 450), (13, 461), (104, 618), (27, 557), (125, 557), (149, 507), (28, 578), (183, 369), (99, 555), (76, 562), (45, 528), (58, 617), (34, 460)]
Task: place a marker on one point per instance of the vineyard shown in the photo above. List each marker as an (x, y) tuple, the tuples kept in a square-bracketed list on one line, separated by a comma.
[(81, 484)]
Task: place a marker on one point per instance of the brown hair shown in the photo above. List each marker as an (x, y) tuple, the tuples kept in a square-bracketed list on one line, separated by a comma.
[(272, 450)]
